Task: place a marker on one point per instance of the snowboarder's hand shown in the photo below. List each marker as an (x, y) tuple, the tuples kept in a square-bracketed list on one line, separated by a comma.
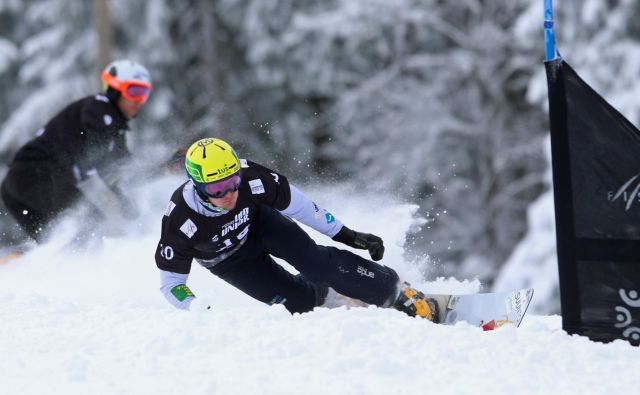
[(370, 242), (363, 241)]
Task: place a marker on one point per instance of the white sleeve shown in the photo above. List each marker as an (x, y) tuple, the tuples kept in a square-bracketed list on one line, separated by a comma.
[(96, 191), (174, 288), (303, 209)]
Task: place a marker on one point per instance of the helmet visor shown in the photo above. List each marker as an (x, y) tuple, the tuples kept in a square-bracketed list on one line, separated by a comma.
[(219, 189), (137, 92)]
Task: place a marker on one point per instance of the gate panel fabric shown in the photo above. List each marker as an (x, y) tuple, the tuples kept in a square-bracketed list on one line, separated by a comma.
[(596, 180)]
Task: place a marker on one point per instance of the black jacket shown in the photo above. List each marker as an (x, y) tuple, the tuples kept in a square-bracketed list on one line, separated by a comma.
[(88, 135), (190, 230)]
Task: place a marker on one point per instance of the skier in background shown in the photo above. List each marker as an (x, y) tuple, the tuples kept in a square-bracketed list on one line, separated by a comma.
[(231, 217), (75, 157)]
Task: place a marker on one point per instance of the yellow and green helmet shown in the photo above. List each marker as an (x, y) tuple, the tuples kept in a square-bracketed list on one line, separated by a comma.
[(211, 160)]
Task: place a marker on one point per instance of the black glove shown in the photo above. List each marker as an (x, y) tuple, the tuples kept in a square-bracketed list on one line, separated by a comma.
[(363, 241)]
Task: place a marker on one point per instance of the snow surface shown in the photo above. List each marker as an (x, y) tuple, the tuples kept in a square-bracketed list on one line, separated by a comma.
[(95, 322)]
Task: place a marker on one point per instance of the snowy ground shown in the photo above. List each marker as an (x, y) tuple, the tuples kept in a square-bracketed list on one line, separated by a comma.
[(95, 323)]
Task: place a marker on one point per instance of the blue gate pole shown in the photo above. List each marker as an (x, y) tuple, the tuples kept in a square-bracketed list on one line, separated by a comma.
[(549, 34)]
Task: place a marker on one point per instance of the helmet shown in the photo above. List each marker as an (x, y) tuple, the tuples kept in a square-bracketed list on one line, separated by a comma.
[(211, 160), (127, 78)]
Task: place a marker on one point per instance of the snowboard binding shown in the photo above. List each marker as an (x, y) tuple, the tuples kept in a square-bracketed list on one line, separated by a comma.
[(415, 303)]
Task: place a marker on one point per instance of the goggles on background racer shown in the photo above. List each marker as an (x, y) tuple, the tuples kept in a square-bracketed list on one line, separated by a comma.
[(135, 91), (219, 189)]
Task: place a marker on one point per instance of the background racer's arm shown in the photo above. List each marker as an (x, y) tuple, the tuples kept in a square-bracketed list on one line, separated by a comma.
[(104, 130), (98, 167), (104, 199)]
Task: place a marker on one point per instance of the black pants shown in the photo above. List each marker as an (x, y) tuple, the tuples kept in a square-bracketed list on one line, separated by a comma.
[(34, 193), (252, 270)]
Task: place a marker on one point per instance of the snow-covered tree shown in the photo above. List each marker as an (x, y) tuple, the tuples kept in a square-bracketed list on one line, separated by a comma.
[(8, 51), (53, 65)]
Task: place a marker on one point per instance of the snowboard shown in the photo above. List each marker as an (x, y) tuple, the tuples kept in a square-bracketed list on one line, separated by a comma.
[(486, 310)]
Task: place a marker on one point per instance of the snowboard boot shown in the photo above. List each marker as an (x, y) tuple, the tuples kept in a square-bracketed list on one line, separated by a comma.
[(415, 303)]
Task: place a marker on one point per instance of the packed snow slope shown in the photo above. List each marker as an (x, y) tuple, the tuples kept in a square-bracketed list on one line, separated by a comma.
[(95, 323)]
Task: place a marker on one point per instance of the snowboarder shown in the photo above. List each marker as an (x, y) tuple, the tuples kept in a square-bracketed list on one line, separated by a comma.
[(231, 217), (75, 157)]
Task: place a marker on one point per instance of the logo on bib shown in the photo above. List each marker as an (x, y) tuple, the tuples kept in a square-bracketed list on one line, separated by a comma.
[(256, 187), (189, 228), (330, 218)]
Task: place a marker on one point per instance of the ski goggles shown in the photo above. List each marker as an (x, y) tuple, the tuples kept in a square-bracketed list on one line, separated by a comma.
[(220, 189), (135, 91)]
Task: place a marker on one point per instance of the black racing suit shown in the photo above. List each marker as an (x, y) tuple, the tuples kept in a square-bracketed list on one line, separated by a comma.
[(86, 137), (238, 246)]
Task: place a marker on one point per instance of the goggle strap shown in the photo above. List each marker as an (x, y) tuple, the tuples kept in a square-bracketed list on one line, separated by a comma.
[(111, 81)]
